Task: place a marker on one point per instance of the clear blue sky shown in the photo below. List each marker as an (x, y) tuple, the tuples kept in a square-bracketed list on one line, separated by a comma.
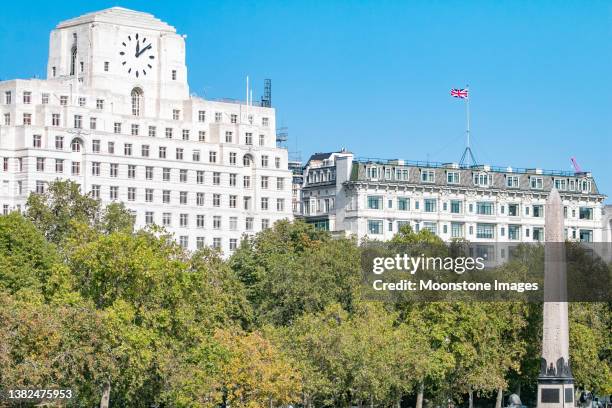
[(374, 76)]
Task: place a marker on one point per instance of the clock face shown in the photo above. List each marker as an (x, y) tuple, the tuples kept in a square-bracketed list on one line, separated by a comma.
[(137, 55)]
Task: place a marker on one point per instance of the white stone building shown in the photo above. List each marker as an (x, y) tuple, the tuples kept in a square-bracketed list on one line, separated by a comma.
[(115, 115), (373, 198)]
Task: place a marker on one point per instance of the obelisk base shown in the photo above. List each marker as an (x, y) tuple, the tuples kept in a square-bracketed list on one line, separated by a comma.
[(555, 392)]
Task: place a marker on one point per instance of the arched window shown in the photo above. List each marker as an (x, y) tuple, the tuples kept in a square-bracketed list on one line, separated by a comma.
[(246, 160), (75, 145), (136, 101), (73, 57)]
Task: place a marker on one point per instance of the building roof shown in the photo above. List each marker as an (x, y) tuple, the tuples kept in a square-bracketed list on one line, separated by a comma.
[(324, 156), (121, 16)]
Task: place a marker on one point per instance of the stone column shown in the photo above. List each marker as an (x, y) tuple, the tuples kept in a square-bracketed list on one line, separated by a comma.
[(555, 383)]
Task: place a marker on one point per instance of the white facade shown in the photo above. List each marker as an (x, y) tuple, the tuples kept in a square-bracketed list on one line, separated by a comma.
[(116, 116), (374, 198)]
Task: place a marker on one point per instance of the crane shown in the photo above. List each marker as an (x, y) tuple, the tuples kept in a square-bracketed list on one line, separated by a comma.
[(577, 167)]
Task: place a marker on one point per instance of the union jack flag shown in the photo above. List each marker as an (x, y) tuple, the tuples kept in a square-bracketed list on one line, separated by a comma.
[(459, 93)]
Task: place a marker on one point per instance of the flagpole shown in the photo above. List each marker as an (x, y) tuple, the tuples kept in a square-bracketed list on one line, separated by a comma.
[(467, 109), (467, 153)]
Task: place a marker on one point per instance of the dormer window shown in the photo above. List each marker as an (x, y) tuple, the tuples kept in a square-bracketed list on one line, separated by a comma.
[(482, 179)]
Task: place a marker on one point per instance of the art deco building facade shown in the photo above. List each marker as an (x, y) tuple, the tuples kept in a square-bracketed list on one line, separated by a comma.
[(374, 198), (115, 115)]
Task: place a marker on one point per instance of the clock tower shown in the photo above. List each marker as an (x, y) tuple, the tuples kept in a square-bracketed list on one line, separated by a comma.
[(118, 50)]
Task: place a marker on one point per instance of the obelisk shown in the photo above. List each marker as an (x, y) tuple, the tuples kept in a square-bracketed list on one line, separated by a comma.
[(555, 382)]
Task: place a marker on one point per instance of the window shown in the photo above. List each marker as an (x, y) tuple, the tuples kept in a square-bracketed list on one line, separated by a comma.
[(233, 244), (117, 127), (216, 200), (93, 123), (264, 161), (484, 208), (217, 222), (184, 220), (135, 129), (513, 210), (212, 157), (45, 99), (430, 226), (232, 179), (538, 234), (27, 119), (37, 141), (149, 173), (144, 150), (82, 101), (512, 181), (59, 165), (248, 223), (63, 100), (162, 152), (40, 164), (232, 158), (114, 169), (166, 196), (277, 162), (8, 97), (538, 211), (452, 177), (200, 176), (561, 184), (106, 65), (168, 133), (234, 118), (166, 219), (152, 131), (403, 204), (216, 178), (95, 168), (200, 221), (201, 116), (183, 197), (246, 181), (114, 192), (201, 136), (233, 223), (40, 187), (248, 139), (536, 183), (456, 206), (27, 97), (216, 243), (78, 121), (265, 122), (375, 227), (149, 217), (584, 186), (585, 213), (166, 174), (7, 119), (95, 191), (280, 204), (185, 134), (246, 160), (127, 149), (262, 140), (111, 147), (232, 201), (482, 179), (280, 183), (485, 231), (514, 232), (131, 171), (264, 203), (428, 176), (586, 235), (430, 205), (174, 74), (183, 176), (375, 202), (200, 242), (59, 142), (200, 199), (131, 193), (195, 155), (456, 230), (264, 182), (179, 153), (176, 114), (218, 117), (100, 104)]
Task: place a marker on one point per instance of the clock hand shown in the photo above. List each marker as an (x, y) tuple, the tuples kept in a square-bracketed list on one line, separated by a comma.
[(137, 48), (143, 50)]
